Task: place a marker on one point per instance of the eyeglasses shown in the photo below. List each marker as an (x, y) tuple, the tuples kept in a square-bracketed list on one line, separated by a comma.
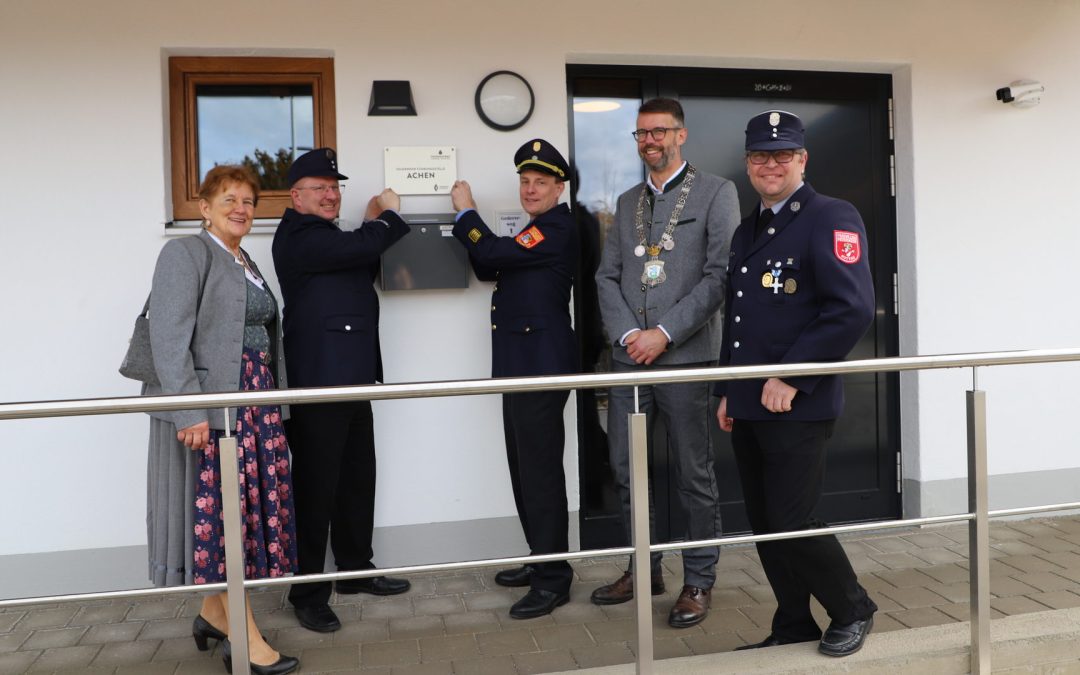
[(657, 133), (323, 189), (781, 156)]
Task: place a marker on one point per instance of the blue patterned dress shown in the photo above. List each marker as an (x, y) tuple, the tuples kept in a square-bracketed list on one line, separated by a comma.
[(266, 502)]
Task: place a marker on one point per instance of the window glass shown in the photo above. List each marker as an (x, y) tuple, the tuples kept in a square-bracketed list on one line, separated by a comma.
[(262, 127), (605, 153)]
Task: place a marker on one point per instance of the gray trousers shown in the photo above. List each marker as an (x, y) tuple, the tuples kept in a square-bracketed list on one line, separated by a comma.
[(685, 409)]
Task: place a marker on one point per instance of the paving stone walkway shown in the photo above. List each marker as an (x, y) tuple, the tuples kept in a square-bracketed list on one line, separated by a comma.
[(457, 624)]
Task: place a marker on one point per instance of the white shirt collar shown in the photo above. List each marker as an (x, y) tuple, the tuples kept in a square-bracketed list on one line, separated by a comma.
[(660, 190), (247, 272)]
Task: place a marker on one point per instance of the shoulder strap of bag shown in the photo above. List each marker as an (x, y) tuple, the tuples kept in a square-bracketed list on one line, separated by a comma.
[(206, 275)]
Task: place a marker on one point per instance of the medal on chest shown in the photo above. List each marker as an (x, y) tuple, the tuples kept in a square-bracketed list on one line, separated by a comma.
[(654, 274)]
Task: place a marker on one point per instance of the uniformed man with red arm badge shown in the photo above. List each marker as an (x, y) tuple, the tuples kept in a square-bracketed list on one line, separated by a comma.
[(531, 335), (799, 290)]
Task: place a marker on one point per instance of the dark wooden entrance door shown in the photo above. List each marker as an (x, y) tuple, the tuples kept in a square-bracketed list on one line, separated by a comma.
[(848, 131)]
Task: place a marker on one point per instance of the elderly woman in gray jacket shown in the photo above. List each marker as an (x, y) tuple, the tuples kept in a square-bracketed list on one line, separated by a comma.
[(214, 327)]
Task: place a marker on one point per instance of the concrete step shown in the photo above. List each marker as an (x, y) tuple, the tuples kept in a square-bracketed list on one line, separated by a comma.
[(1040, 642)]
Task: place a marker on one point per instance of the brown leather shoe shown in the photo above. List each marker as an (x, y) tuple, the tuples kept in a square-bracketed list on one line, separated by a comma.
[(622, 590), (691, 608)]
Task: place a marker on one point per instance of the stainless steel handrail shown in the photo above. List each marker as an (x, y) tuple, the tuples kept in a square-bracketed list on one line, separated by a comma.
[(977, 517), (377, 392)]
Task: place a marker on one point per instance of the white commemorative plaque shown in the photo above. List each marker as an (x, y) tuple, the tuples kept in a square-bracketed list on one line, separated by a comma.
[(420, 170)]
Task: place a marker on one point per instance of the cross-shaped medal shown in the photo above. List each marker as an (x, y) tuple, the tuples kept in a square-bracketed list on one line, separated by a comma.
[(776, 285)]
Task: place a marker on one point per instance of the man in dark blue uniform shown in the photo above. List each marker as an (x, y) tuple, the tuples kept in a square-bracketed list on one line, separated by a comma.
[(331, 337), (531, 335), (799, 289)]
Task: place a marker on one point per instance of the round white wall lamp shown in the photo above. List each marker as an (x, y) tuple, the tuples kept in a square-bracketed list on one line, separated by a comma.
[(504, 100)]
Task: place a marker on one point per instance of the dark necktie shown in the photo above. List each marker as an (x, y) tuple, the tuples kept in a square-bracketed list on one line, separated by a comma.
[(763, 220)]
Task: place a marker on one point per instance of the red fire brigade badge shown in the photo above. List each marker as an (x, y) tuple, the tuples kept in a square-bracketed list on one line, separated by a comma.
[(846, 246), (530, 237)]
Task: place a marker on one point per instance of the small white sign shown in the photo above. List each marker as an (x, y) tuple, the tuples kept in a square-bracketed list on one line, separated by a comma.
[(420, 170), (510, 223)]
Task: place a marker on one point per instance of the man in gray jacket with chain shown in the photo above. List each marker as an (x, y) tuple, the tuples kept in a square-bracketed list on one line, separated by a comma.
[(661, 287)]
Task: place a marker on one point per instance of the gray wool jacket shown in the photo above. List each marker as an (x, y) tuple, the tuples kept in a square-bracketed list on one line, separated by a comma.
[(201, 353), (688, 304)]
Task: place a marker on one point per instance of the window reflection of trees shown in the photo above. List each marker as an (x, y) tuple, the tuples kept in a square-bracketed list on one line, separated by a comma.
[(272, 170)]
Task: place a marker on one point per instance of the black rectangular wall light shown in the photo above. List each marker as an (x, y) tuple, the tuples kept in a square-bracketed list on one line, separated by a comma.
[(391, 97)]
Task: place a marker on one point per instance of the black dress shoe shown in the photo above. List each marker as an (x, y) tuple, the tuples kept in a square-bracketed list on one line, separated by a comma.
[(845, 639), (373, 585), (202, 630), (771, 641), (538, 602), (518, 576), (319, 618), (284, 664)]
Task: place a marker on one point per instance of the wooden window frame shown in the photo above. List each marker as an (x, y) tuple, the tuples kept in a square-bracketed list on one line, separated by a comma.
[(188, 72)]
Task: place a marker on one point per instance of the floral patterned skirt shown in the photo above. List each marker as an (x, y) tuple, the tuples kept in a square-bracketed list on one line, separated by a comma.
[(266, 502)]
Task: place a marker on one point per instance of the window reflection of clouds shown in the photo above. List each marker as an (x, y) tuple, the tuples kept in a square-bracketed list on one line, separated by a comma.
[(605, 154), (231, 127)]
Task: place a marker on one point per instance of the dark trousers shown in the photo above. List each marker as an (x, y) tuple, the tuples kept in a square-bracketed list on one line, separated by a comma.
[(333, 448), (533, 426), (782, 469)]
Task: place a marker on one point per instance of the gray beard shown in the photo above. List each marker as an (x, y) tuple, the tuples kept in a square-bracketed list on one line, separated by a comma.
[(666, 158)]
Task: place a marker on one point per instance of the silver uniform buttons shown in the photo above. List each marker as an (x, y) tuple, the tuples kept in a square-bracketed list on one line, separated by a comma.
[(771, 230), (738, 294), (736, 345), (348, 327), (743, 270), (738, 319)]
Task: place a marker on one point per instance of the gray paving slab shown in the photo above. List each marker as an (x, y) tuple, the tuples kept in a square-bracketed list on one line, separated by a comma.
[(458, 622), (330, 659)]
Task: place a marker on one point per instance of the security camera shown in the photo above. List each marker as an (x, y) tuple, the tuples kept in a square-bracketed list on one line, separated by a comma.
[(1022, 93)]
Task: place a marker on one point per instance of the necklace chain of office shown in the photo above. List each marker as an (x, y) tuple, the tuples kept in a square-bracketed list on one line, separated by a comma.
[(654, 273)]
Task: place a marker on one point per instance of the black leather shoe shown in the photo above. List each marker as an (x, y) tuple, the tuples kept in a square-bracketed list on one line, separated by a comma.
[(845, 639), (518, 576), (373, 585), (202, 630), (284, 664), (538, 602), (771, 641), (319, 618)]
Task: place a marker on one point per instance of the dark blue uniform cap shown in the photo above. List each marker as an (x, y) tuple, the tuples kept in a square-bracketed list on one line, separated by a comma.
[(539, 155), (320, 162), (774, 130)]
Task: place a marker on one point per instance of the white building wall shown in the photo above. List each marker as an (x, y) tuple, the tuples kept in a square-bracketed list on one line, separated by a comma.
[(986, 235)]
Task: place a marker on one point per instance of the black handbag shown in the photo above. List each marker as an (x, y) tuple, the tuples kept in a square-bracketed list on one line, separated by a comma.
[(138, 363)]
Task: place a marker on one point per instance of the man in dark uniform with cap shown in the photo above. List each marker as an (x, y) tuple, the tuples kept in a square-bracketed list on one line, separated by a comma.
[(331, 337), (531, 335), (799, 290)]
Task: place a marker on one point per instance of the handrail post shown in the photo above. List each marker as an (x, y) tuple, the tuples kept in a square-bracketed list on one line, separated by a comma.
[(978, 533), (234, 549), (639, 521)]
